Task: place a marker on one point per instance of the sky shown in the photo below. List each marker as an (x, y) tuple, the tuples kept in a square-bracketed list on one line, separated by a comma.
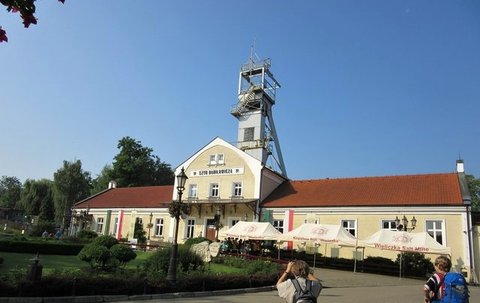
[(368, 88)]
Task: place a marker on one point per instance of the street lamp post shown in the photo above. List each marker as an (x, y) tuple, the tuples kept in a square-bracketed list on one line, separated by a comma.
[(404, 225), (175, 211)]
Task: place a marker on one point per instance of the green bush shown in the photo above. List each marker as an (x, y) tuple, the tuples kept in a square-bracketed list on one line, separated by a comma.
[(23, 245), (415, 264), (187, 259), (96, 255), (86, 234), (107, 241), (1, 260), (249, 266), (105, 253), (122, 253), (158, 262), (82, 283), (379, 260)]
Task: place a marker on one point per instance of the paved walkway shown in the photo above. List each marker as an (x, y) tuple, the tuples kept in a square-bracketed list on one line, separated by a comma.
[(340, 287)]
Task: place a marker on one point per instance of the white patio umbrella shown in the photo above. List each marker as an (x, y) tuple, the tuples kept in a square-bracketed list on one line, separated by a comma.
[(252, 231), (403, 241), (320, 233)]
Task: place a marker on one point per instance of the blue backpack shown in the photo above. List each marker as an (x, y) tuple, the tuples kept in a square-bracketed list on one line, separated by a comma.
[(455, 289)]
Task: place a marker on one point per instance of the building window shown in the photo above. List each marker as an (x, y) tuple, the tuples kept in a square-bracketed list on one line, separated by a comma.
[(190, 228), (158, 227), (389, 224), (99, 225), (311, 219), (350, 226), (435, 229), (248, 134), (192, 191), (237, 189), (278, 224), (233, 222), (216, 159), (214, 190), (139, 220)]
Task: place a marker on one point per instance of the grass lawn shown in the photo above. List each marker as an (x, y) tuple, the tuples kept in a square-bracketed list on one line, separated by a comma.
[(50, 262)]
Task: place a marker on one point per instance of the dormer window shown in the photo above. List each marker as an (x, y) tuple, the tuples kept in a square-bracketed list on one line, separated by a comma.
[(217, 159)]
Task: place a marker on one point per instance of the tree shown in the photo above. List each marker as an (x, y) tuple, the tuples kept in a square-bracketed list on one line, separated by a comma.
[(135, 165), (47, 206), (474, 187), (139, 233), (26, 8), (10, 189), (71, 184), (100, 183), (37, 199)]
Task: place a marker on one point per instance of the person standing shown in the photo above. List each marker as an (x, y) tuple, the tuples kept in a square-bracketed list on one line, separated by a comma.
[(301, 272), (433, 289)]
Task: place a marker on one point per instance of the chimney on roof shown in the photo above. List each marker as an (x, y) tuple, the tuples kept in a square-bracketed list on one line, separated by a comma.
[(460, 167), (112, 184)]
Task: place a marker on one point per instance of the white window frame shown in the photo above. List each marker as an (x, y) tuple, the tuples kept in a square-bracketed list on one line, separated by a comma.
[(100, 222), (279, 225), (190, 228), (158, 231), (216, 159), (214, 190), (349, 226), (392, 225), (237, 189), (193, 191), (435, 231)]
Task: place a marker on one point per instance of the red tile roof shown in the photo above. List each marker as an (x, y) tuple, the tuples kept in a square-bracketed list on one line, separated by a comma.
[(130, 197), (431, 189)]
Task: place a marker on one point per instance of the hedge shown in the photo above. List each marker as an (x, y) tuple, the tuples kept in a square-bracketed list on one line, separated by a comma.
[(41, 247), (68, 285)]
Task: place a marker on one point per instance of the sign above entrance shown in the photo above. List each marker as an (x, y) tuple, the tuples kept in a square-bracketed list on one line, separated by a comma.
[(217, 172)]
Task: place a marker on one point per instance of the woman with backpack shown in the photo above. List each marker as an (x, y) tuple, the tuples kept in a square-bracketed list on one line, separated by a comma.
[(303, 285)]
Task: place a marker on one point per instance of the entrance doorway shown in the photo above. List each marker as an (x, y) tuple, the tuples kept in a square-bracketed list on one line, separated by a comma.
[(211, 232)]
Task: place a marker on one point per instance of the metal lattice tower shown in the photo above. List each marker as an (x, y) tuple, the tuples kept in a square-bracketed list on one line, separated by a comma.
[(256, 130)]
